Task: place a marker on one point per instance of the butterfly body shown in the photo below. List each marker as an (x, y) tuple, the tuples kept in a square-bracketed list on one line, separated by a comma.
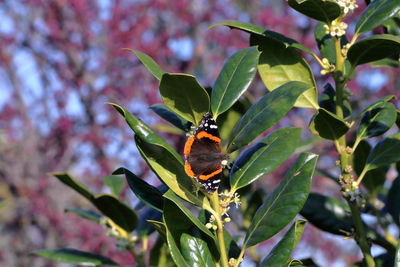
[(204, 159)]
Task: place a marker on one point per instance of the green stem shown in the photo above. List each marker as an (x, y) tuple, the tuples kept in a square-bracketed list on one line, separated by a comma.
[(340, 82), (220, 230)]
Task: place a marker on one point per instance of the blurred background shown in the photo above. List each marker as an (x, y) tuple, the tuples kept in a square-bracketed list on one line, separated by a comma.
[(62, 60)]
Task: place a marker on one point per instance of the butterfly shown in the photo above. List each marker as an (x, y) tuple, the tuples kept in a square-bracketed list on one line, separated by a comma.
[(204, 159)]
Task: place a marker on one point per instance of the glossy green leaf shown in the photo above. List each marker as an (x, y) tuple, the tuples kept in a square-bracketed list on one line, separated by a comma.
[(249, 206), (73, 256), (279, 64), (258, 30), (174, 250), (377, 121), (377, 104), (160, 256), (373, 48), (280, 254), (174, 198), (117, 211), (373, 179), (393, 200), (164, 112), (171, 172), (328, 214), (264, 157), (322, 10), (195, 250), (144, 191), (149, 63), (284, 203), (86, 214), (386, 62), (183, 94), (115, 183), (145, 132), (232, 249), (160, 228), (265, 113), (327, 125), (325, 42), (77, 186), (386, 152), (234, 79), (375, 14)]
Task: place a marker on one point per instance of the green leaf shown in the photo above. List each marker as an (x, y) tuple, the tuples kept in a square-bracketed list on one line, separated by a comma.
[(183, 94), (258, 30), (377, 121), (264, 157), (322, 10), (195, 250), (376, 14), (249, 206), (280, 254), (373, 48), (397, 259), (328, 214), (265, 113), (386, 152), (144, 191), (160, 256), (114, 183), (232, 249), (171, 172), (71, 182), (279, 64), (234, 79), (164, 112), (374, 179), (73, 256), (386, 62), (149, 63), (327, 125), (86, 214), (284, 203), (117, 211), (171, 196), (145, 228), (160, 228), (178, 224), (145, 132), (393, 200)]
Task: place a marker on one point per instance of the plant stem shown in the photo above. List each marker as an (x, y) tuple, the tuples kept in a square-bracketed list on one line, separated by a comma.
[(340, 82), (220, 230)]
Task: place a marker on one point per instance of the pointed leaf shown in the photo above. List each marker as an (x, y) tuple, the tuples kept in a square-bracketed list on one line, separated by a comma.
[(373, 48), (279, 64), (284, 203), (117, 211), (183, 94), (171, 196), (164, 112), (265, 113), (247, 27), (322, 10), (327, 125), (160, 256), (280, 254), (377, 121), (144, 191), (149, 63), (386, 152), (171, 172), (393, 200), (145, 228), (328, 214), (86, 214), (234, 79), (145, 132), (376, 14), (264, 157), (71, 182), (73, 256), (115, 183), (160, 228)]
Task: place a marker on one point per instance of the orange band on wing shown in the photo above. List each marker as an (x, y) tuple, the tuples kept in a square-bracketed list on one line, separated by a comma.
[(188, 170), (203, 134), (208, 176), (188, 145)]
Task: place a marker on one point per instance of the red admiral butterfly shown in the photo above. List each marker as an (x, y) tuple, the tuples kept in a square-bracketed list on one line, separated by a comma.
[(203, 157)]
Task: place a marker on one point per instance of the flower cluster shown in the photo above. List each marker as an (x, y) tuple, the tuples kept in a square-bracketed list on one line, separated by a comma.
[(327, 67), (337, 28), (347, 5)]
